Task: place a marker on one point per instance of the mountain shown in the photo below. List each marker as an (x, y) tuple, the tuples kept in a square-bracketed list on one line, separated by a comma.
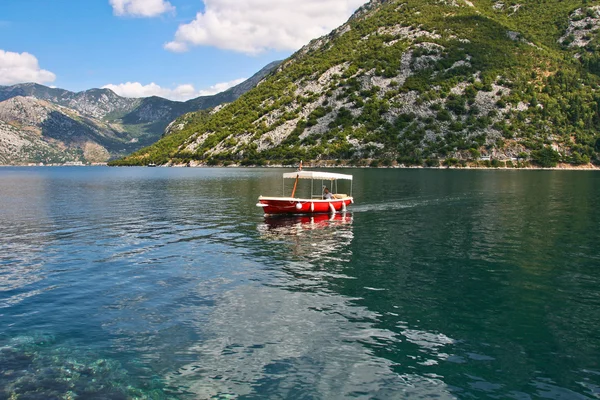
[(21, 144), (59, 128), (53, 125), (418, 82)]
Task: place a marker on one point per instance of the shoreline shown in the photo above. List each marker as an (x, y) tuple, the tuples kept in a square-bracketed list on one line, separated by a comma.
[(312, 165), (560, 167)]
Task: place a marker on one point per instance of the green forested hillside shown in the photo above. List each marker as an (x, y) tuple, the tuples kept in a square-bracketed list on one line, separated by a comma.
[(414, 82)]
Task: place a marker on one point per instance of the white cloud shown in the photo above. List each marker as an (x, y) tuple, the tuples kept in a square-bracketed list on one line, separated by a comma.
[(254, 26), (220, 87), (176, 47), (21, 68), (180, 93), (141, 8)]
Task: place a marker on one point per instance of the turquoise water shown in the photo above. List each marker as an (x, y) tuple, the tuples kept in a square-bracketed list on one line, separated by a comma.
[(169, 283)]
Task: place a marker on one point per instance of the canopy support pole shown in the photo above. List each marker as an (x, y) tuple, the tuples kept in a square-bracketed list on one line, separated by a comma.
[(295, 185)]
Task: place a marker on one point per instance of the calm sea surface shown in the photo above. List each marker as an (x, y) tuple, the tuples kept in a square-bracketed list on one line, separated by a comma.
[(169, 283)]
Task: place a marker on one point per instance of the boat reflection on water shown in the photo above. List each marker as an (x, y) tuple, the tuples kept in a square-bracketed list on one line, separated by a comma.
[(283, 225), (280, 325), (311, 236)]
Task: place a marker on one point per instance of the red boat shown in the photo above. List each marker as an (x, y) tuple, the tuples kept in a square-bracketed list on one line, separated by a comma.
[(320, 202)]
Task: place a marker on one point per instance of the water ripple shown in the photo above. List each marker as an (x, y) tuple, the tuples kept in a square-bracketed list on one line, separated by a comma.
[(167, 283)]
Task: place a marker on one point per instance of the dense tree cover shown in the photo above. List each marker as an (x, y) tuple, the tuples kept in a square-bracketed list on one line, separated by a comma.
[(546, 157), (482, 79)]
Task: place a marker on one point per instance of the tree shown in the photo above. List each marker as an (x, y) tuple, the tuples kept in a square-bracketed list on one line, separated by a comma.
[(547, 157), (475, 154)]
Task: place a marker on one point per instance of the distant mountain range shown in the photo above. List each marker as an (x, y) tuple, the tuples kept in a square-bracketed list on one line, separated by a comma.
[(50, 125)]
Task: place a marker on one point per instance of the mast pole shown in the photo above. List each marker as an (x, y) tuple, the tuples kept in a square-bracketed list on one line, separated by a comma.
[(295, 185), (297, 177)]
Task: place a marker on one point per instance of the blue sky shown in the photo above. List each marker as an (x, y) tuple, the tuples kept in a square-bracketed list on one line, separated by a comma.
[(94, 43)]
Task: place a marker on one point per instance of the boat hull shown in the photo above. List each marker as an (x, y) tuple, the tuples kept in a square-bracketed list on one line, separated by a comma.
[(291, 206)]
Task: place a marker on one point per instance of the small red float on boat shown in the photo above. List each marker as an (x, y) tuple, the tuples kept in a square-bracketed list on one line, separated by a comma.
[(329, 201)]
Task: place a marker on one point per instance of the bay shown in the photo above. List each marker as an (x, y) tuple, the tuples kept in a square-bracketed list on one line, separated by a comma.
[(170, 283)]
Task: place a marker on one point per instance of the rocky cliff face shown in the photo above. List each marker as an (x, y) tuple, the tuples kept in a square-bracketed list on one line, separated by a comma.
[(95, 103), (418, 81), (17, 144), (54, 133), (92, 125)]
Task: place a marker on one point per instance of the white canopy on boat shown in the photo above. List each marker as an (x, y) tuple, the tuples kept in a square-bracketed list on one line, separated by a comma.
[(325, 176)]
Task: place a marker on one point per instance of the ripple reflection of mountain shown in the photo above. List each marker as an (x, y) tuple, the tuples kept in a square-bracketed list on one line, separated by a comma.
[(311, 236)]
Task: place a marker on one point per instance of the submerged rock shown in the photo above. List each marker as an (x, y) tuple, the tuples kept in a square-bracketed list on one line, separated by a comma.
[(42, 368)]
